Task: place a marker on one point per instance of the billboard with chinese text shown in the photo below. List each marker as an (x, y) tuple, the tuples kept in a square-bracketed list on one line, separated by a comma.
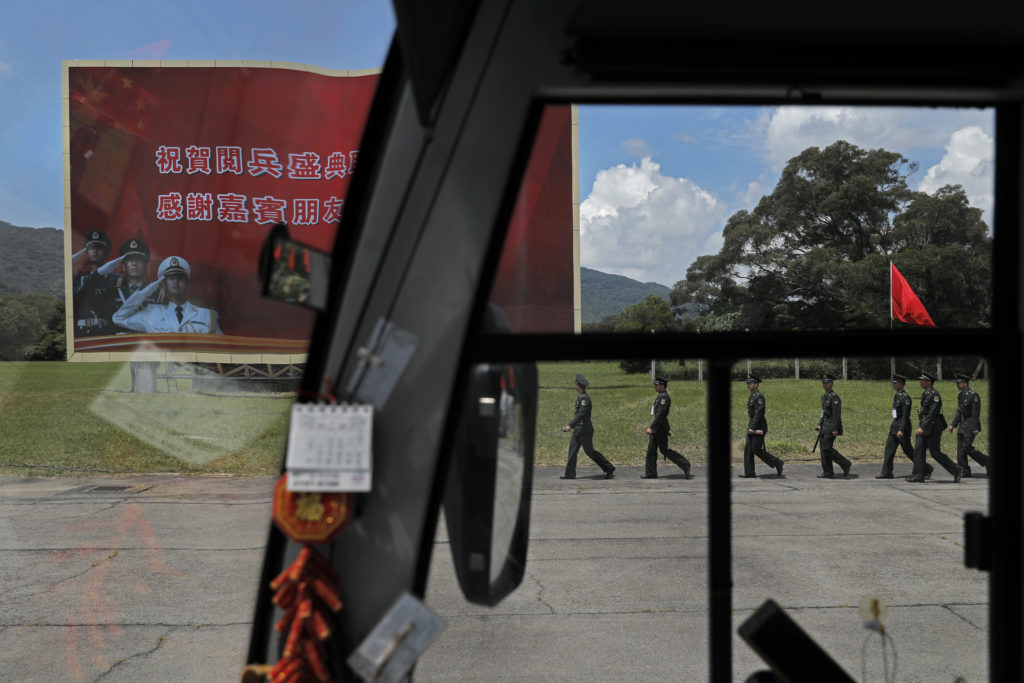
[(182, 170), (175, 173)]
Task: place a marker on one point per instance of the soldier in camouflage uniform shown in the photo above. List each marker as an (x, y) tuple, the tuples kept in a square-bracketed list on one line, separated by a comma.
[(757, 427), (929, 432), (659, 432), (583, 433), (968, 419), (899, 430), (831, 426)]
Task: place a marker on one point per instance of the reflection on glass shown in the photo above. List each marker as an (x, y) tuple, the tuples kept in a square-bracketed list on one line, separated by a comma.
[(299, 275), (511, 467), (696, 218), (873, 531)]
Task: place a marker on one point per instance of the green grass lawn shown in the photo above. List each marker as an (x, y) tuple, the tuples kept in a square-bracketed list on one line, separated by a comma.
[(66, 418), (61, 418), (622, 411)]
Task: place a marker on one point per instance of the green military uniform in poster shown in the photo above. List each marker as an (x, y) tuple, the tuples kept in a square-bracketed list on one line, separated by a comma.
[(583, 433), (658, 434), (831, 426), (967, 421), (929, 432), (757, 428), (900, 429)]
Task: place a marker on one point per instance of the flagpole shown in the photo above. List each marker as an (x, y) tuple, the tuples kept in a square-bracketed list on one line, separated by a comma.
[(892, 359)]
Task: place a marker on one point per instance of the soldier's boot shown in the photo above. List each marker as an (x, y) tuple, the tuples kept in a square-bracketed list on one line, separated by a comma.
[(959, 473)]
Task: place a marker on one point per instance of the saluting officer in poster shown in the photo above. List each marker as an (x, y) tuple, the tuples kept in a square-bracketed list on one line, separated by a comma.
[(831, 426), (929, 432), (92, 301), (968, 421), (178, 314), (899, 429), (757, 427), (583, 433), (659, 432)]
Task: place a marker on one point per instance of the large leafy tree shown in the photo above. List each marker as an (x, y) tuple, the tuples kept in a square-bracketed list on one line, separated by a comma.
[(814, 254)]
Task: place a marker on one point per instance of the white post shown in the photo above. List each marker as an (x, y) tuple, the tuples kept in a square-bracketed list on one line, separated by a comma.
[(700, 369), (796, 367), (844, 368), (654, 370)]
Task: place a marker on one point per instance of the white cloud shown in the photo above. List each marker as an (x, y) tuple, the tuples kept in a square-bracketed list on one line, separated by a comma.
[(6, 69), (636, 147), (969, 161), (790, 130), (647, 226)]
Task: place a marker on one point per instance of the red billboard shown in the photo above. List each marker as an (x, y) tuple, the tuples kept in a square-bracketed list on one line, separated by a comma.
[(180, 172), (176, 173)]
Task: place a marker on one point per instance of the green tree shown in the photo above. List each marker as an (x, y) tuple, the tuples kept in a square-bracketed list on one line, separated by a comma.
[(653, 313), (814, 254), (25, 319)]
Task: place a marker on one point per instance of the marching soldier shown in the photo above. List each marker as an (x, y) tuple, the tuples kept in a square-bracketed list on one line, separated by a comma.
[(831, 426), (583, 433), (968, 419), (658, 434), (757, 427), (899, 430), (929, 432), (178, 314)]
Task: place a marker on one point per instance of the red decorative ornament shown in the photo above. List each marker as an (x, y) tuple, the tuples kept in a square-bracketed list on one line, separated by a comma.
[(314, 517), (307, 590)]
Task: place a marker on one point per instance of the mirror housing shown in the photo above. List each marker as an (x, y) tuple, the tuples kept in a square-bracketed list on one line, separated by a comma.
[(490, 481), (292, 272)]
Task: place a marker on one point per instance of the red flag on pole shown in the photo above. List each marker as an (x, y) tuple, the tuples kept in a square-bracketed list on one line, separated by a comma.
[(905, 306)]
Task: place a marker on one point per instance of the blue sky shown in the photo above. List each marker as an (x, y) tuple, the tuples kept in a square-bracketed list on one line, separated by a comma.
[(656, 183)]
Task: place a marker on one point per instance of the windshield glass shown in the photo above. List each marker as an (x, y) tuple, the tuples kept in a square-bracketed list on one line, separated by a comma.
[(145, 383), (640, 219)]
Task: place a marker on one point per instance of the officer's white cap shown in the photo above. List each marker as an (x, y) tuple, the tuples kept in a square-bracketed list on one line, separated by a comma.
[(174, 264)]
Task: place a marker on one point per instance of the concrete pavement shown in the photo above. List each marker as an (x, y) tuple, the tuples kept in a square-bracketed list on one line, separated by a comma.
[(156, 580), (616, 585)]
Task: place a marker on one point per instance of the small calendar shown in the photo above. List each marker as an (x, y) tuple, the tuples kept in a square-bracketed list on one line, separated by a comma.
[(329, 447)]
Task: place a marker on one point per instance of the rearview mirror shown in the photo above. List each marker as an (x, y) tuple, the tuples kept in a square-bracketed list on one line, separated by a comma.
[(490, 480), (293, 272)]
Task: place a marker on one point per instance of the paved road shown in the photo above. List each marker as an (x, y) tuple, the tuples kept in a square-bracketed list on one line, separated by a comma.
[(156, 581), (616, 586)]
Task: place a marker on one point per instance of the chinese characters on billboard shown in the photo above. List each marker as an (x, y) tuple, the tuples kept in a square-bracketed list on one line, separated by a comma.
[(175, 175)]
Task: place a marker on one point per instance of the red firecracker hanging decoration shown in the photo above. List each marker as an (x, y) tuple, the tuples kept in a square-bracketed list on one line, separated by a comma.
[(307, 590)]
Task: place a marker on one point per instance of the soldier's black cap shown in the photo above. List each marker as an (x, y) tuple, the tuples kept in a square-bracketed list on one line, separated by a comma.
[(97, 237), (961, 377), (927, 375), (135, 246), (581, 380), (753, 378), (658, 379), (826, 378), (899, 378)]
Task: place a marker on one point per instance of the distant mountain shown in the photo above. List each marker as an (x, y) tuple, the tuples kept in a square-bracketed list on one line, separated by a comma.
[(33, 260), (604, 294)]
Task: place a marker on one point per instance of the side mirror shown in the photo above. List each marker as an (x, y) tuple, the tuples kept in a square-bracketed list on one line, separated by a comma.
[(490, 480), (293, 272)]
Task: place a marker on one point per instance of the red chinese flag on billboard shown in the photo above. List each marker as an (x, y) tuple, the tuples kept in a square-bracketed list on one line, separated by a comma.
[(195, 165), (906, 307)]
